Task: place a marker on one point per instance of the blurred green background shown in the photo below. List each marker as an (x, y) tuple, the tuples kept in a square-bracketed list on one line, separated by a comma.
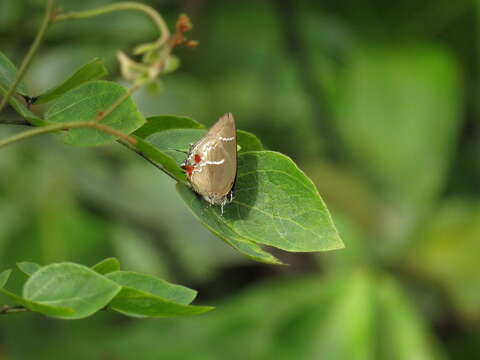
[(377, 101)]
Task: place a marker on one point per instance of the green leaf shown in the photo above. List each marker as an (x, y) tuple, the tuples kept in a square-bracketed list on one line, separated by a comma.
[(31, 305), (275, 204), (217, 226), (392, 100), (155, 286), (308, 318), (93, 70), (248, 141), (403, 333), (162, 158), (156, 124), (332, 338), (175, 141), (106, 266), (72, 286), (50, 310), (24, 111), (446, 250), (8, 72), (4, 275), (28, 268), (85, 102), (137, 303), (143, 295)]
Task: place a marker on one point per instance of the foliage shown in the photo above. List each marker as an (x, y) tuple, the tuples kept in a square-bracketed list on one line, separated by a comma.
[(275, 203), (375, 102), (72, 291)]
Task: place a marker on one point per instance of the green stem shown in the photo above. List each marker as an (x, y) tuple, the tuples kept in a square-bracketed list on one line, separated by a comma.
[(127, 5), (66, 126), (31, 52), (134, 149), (38, 131), (125, 140)]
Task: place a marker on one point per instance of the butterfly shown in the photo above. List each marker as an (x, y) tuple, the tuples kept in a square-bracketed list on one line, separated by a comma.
[(211, 163)]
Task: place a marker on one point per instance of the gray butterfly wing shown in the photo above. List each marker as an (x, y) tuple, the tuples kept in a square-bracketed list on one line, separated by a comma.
[(218, 150)]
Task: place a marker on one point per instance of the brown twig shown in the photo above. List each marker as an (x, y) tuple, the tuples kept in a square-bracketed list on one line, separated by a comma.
[(8, 309)]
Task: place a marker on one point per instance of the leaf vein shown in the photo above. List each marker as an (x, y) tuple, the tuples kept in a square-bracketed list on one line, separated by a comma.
[(276, 216), (312, 190)]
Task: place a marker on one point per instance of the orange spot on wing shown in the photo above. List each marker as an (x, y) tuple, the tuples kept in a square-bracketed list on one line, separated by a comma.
[(188, 169)]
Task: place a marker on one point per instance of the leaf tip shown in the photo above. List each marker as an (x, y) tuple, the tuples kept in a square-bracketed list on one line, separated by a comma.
[(106, 266), (206, 309), (27, 267), (4, 276)]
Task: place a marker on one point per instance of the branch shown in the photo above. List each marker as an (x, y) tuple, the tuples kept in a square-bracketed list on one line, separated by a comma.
[(67, 126), (14, 121), (7, 309), (127, 5), (31, 52), (154, 163), (112, 131)]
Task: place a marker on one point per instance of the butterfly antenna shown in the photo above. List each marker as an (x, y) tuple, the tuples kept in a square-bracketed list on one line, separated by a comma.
[(182, 151)]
